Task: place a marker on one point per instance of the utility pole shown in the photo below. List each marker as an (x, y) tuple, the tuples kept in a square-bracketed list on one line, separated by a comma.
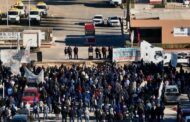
[(128, 14), (29, 15), (7, 13)]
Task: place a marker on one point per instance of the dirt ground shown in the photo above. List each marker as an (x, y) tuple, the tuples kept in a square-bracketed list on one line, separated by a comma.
[(6, 4)]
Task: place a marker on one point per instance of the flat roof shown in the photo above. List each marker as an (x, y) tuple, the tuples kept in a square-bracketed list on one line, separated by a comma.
[(162, 14)]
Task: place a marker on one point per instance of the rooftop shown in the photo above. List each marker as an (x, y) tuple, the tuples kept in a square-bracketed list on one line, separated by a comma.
[(147, 12)]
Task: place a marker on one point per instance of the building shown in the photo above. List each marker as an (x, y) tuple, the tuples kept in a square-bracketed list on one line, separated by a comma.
[(169, 28)]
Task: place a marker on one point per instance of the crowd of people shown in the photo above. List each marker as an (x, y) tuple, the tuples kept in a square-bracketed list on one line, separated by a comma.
[(100, 52), (104, 92)]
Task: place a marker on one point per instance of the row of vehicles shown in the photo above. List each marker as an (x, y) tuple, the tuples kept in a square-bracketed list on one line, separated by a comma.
[(111, 21), (18, 13)]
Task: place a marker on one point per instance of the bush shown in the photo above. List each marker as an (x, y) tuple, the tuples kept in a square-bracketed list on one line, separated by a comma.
[(159, 6), (127, 43)]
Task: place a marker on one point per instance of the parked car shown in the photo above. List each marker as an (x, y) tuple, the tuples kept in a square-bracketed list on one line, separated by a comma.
[(30, 94), (182, 54), (171, 94), (115, 2), (113, 21), (98, 20)]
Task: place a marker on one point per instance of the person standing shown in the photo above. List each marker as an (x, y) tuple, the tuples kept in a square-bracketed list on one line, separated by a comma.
[(97, 51), (28, 107), (57, 111), (64, 113), (90, 52), (97, 115), (66, 52), (75, 52), (110, 52), (79, 114), (87, 115), (36, 111), (70, 52), (45, 110), (104, 52), (72, 114)]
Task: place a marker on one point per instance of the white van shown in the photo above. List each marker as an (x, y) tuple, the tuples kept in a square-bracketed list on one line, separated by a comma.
[(115, 2), (171, 94)]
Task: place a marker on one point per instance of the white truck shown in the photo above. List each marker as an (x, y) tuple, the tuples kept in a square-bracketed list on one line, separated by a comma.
[(34, 16), (150, 53), (115, 2), (153, 54), (14, 15), (21, 8), (43, 8)]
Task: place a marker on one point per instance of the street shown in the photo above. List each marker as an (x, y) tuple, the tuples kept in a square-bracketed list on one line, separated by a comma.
[(67, 19)]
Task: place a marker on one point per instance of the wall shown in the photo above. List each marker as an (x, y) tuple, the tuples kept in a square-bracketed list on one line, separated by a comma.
[(167, 29)]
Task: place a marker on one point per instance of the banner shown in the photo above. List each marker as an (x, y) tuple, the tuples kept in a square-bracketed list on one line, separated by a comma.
[(160, 90), (15, 67), (10, 35), (126, 54), (31, 77), (14, 58), (132, 38), (174, 60), (183, 32), (26, 54), (6, 56)]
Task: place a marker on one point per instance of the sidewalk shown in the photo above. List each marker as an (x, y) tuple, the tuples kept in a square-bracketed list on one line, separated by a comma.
[(56, 54)]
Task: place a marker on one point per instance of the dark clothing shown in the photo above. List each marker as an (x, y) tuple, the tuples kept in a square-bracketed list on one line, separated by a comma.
[(90, 49), (97, 50), (64, 113), (66, 51), (70, 52), (110, 53), (153, 114), (97, 115), (158, 112), (76, 53), (104, 52)]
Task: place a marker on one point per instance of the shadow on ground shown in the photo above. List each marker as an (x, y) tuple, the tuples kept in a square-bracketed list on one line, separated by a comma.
[(64, 2), (100, 4)]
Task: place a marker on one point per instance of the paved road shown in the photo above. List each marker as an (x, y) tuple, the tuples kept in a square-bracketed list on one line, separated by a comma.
[(67, 18), (170, 114)]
